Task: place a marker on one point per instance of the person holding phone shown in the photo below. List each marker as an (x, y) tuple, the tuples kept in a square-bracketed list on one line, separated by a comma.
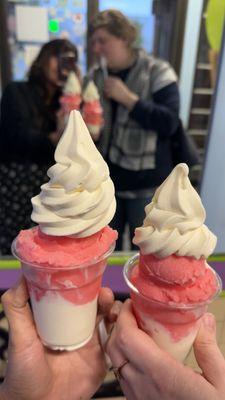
[(67, 62), (31, 125)]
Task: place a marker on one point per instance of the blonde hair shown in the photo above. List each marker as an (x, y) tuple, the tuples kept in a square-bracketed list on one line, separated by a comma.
[(115, 23)]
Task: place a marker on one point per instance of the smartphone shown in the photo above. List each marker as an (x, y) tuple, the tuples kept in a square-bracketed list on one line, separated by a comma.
[(66, 63)]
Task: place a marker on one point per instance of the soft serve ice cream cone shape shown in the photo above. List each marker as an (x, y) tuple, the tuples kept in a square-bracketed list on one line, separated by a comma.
[(64, 257), (71, 98), (171, 283), (92, 110)]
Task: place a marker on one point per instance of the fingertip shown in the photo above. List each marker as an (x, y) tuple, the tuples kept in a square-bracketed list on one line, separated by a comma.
[(127, 316), (18, 314), (106, 295), (207, 352), (207, 330), (105, 301), (208, 322), (114, 311), (128, 308), (17, 295), (107, 290), (128, 303)]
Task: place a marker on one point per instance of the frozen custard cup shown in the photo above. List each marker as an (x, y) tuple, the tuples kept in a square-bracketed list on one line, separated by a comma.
[(172, 326), (64, 300)]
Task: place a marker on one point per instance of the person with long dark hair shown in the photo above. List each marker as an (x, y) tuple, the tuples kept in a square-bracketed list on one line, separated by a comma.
[(30, 127)]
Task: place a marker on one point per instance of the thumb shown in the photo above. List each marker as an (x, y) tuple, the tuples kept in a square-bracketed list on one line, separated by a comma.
[(105, 302), (207, 353), (22, 330)]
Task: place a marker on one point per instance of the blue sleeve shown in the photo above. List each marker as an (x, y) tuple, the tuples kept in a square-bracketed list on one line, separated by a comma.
[(161, 113)]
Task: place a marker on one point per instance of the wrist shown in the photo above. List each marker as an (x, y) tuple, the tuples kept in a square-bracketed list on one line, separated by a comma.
[(132, 99)]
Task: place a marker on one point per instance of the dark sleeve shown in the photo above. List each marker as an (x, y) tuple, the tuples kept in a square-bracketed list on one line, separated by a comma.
[(161, 113), (19, 133)]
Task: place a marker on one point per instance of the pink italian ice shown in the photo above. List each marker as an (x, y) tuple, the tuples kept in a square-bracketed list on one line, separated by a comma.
[(63, 251), (172, 282), (64, 257), (64, 254)]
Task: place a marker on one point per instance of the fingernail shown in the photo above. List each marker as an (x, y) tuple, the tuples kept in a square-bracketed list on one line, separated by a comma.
[(115, 309), (208, 322)]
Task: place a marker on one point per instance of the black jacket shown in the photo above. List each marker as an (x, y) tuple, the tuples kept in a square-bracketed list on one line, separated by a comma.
[(161, 114), (136, 144), (25, 125)]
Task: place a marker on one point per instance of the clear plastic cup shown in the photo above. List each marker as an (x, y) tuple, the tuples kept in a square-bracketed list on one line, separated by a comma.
[(64, 300), (172, 326)]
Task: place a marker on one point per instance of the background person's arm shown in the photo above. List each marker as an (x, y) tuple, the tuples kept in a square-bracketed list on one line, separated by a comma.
[(161, 113)]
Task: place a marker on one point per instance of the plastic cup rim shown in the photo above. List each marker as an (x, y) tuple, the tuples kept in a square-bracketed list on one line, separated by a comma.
[(131, 262), (45, 266)]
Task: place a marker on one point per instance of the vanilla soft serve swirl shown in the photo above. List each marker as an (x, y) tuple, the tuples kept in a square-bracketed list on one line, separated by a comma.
[(91, 92), (174, 222), (72, 86), (79, 198)]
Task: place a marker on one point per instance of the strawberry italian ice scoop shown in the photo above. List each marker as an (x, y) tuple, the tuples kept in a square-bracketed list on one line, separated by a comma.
[(171, 282), (71, 98), (92, 110), (64, 257)]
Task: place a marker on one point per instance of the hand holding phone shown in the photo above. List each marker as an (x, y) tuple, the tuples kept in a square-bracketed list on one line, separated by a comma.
[(67, 62)]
